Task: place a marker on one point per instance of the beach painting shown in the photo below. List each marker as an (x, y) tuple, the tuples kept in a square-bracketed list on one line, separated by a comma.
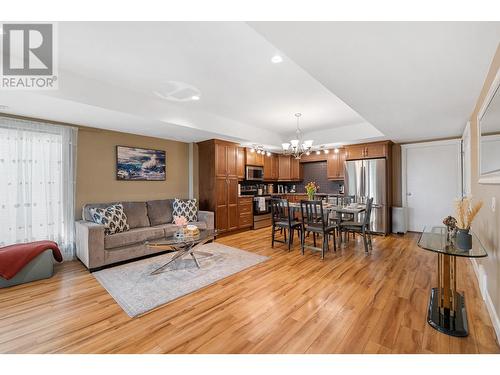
[(139, 164)]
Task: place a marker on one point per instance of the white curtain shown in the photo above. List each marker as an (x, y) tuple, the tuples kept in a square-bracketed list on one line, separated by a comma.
[(37, 183)]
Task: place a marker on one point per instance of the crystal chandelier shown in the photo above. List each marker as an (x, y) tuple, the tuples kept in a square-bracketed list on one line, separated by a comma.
[(296, 147)]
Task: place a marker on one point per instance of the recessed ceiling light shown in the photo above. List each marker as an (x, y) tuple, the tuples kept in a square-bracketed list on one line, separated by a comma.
[(195, 97), (277, 59)]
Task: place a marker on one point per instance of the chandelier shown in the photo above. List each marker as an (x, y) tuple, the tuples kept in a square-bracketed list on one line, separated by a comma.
[(296, 147)]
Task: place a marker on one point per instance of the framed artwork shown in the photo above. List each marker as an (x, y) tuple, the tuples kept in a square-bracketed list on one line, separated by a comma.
[(140, 164)]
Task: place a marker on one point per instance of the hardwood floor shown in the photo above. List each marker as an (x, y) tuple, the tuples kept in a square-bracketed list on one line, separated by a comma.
[(348, 303)]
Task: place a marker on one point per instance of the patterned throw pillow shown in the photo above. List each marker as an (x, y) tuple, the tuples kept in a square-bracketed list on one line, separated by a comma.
[(187, 208), (113, 218)]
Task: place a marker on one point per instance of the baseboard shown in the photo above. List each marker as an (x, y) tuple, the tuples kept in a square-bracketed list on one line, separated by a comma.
[(487, 300)]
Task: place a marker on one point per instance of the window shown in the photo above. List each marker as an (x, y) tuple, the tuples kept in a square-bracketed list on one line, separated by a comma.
[(37, 175)]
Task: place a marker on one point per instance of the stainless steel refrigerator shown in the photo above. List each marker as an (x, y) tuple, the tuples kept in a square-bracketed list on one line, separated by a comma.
[(367, 179)]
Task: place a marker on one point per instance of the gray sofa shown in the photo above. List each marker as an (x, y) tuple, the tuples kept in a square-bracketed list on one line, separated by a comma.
[(147, 220)]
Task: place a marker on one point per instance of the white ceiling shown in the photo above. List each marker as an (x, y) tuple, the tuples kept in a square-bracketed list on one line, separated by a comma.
[(408, 81), (411, 80)]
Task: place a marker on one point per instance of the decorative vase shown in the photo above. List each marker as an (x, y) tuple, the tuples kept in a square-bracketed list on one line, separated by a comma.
[(310, 195), (464, 239)]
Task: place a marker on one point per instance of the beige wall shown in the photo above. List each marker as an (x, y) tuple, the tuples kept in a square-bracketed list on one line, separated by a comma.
[(487, 225), (96, 169)]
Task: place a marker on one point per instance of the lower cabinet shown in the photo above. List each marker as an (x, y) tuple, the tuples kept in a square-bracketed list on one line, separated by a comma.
[(245, 212)]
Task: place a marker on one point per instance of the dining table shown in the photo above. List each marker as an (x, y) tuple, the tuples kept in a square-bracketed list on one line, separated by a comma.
[(353, 209)]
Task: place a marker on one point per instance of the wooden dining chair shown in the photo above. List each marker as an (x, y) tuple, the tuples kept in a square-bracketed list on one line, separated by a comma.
[(315, 221), (283, 221), (361, 227)]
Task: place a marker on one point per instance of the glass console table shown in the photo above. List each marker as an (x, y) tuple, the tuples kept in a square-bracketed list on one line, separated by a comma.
[(447, 311)]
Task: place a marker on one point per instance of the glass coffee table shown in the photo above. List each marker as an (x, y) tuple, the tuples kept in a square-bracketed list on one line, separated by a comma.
[(447, 311), (182, 246)]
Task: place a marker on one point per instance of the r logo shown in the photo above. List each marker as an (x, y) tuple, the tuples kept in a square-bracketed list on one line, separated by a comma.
[(28, 50)]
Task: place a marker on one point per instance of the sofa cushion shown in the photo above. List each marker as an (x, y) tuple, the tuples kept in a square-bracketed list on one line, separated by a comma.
[(113, 218), (168, 229), (137, 214), (186, 208), (131, 237), (160, 211)]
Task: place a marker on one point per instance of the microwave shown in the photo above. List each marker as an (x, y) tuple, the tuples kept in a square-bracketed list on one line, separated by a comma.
[(254, 173)]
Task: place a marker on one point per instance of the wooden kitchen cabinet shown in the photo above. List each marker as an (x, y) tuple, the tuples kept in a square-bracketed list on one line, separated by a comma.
[(284, 172), (275, 167), (253, 158), (377, 150), (368, 150), (225, 160), (335, 164), (240, 162), (218, 179), (355, 152), (269, 166), (245, 212), (296, 169)]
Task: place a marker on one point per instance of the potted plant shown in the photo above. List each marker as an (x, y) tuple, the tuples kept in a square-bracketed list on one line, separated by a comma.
[(311, 189), (466, 212)]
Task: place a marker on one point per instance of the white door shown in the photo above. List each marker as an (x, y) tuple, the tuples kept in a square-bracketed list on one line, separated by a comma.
[(431, 181)]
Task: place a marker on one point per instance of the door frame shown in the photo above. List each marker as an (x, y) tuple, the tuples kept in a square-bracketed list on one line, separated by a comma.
[(404, 151)]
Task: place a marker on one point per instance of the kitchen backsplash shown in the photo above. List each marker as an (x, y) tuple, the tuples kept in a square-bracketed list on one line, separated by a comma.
[(317, 172)]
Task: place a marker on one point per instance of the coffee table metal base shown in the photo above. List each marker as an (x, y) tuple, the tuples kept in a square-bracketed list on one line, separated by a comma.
[(182, 250), (453, 323)]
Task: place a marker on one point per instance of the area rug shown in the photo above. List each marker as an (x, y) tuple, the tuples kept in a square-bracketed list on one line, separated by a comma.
[(137, 291)]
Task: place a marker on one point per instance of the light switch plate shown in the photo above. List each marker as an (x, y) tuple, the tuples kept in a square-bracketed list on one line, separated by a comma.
[(493, 204)]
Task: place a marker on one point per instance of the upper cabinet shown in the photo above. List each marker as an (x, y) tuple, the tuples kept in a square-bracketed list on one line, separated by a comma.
[(254, 158), (225, 160), (368, 150), (284, 173), (275, 167), (240, 163), (335, 164), (287, 168), (296, 169), (268, 167)]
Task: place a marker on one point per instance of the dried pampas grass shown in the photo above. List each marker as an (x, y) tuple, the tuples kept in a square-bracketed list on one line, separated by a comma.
[(466, 212)]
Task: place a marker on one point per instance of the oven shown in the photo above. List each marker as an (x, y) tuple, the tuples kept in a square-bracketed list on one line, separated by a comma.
[(261, 211), (254, 173)]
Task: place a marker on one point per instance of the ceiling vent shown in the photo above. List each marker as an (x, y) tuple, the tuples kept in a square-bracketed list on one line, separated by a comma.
[(178, 92)]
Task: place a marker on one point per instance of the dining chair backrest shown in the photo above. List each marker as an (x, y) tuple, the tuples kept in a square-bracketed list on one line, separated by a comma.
[(368, 211), (280, 210), (333, 199), (312, 213)]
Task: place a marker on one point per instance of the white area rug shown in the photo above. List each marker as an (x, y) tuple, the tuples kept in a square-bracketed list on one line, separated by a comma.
[(137, 291)]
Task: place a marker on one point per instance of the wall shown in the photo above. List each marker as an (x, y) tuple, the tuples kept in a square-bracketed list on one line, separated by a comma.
[(96, 169), (487, 224), (317, 172)]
